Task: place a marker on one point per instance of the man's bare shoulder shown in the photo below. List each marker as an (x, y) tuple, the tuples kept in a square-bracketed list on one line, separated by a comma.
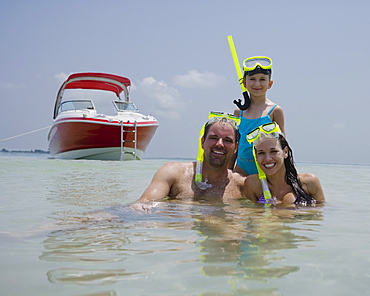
[(237, 178), (166, 180), (174, 170), (177, 166), (234, 188)]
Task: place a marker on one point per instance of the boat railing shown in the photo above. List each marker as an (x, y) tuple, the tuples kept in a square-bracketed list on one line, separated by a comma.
[(123, 141)]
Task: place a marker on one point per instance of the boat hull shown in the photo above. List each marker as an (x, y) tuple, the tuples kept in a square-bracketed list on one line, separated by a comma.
[(100, 139)]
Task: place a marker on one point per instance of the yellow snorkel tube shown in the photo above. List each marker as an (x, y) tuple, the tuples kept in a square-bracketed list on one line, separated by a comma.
[(239, 73), (263, 179), (199, 164)]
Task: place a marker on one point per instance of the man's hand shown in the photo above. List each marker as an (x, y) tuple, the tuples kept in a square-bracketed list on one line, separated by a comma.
[(139, 206)]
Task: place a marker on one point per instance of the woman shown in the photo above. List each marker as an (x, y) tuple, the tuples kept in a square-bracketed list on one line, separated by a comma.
[(275, 160)]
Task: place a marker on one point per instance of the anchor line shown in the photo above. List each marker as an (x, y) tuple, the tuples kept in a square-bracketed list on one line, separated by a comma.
[(40, 129)]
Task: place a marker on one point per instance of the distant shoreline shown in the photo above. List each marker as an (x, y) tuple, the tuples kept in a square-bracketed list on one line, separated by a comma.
[(39, 151)]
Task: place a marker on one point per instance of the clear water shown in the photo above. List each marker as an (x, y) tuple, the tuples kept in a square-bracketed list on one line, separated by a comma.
[(66, 230)]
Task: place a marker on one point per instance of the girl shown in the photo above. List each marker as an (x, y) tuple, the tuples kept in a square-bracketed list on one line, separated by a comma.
[(257, 80)]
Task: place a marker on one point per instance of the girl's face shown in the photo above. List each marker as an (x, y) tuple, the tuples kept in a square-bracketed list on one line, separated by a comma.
[(258, 84), (270, 156)]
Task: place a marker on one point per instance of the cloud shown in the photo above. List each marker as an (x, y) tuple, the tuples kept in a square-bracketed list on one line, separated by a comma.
[(11, 85), (61, 77), (133, 86), (167, 99), (194, 79)]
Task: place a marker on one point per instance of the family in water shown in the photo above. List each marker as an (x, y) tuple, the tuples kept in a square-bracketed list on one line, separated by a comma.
[(245, 155)]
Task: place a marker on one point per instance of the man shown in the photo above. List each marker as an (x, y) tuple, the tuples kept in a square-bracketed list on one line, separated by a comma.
[(176, 180)]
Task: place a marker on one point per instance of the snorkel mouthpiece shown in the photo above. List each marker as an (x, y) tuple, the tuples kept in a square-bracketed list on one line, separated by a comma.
[(245, 105)]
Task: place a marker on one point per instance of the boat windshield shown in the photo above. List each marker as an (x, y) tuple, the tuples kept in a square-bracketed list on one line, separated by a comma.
[(125, 106), (76, 105)]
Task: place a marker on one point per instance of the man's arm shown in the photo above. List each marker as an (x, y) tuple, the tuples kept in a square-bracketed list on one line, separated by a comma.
[(159, 187), (162, 182)]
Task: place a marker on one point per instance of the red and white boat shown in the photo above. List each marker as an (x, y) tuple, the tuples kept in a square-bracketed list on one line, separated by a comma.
[(80, 132)]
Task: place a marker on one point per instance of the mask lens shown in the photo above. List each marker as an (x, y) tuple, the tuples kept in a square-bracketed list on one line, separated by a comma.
[(269, 127), (229, 116), (253, 134)]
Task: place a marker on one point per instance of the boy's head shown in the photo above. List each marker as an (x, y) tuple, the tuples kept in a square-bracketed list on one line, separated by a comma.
[(255, 65)]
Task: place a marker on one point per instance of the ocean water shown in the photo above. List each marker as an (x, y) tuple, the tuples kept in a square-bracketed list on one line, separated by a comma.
[(66, 230)]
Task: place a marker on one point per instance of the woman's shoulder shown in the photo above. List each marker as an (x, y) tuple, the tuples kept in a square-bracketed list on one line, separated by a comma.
[(308, 178), (252, 178), (311, 181), (252, 188), (252, 182), (312, 185)]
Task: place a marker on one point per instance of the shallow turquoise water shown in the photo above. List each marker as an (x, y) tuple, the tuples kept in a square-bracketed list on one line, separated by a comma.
[(65, 230)]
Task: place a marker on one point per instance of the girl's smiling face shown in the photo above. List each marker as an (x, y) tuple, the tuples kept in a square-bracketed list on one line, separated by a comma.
[(258, 84), (270, 156)]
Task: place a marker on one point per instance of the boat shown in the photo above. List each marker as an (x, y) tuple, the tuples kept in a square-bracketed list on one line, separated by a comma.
[(78, 131)]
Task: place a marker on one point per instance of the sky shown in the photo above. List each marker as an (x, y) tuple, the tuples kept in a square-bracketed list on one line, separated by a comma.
[(177, 56)]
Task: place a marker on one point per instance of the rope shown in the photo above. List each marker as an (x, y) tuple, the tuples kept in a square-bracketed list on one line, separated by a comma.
[(25, 133)]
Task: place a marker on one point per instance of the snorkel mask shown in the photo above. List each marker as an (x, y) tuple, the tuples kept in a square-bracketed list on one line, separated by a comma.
[(255, 65), (269, 130), (213, 117)]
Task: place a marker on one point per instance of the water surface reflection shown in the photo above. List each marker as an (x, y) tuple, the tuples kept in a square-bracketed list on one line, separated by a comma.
[(200, 249)]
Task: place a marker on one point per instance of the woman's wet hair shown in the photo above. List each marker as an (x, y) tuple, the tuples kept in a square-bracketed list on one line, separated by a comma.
[(291, 176)]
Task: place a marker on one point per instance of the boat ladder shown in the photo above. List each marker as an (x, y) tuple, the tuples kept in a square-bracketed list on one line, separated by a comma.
[(123, 131)]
